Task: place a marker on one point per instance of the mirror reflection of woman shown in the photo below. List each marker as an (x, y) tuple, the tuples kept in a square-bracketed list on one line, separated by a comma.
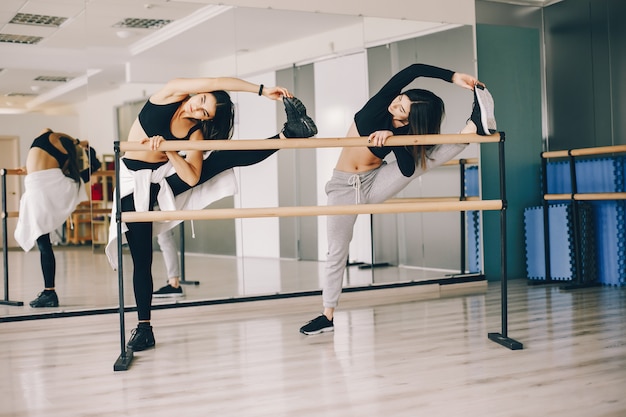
[(184, 109), (362, 176), (54, 186)]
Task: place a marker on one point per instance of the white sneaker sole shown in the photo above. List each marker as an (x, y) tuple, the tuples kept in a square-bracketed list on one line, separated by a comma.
[(324, 330), (168, 295), (485, 102)]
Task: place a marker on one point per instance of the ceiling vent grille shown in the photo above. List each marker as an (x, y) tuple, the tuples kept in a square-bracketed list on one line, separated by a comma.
[(20, 95), (22, 39), (37, 20), (135, 23), (51, 78)]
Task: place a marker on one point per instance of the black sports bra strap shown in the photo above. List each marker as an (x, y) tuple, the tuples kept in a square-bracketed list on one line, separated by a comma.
[(193, 129)]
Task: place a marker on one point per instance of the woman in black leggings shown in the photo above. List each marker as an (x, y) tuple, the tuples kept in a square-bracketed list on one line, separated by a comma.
[(184, 109), (53, 188)]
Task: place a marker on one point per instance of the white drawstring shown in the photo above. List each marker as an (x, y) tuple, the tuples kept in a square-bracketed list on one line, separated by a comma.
[(355, 182), (193, 231)]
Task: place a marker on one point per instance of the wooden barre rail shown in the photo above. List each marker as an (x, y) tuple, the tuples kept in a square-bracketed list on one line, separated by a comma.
[(586, 196), (205, 145), (103, 173), (6, 171), (13, 214), (234, 213), (111, 173), (585, 151)]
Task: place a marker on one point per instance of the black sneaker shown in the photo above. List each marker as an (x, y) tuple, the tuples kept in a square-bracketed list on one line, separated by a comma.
[(298, 125), (141, 338), (482, 113), (318, 325), (45, 299), (168, 291)]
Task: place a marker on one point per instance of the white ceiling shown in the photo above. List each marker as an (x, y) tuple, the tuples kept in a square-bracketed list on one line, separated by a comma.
[(93, 55)]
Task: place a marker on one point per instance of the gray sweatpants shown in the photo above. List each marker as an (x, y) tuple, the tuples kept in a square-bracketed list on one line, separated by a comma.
[(369, 187)]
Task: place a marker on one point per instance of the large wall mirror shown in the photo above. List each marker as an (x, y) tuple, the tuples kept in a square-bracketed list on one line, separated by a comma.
[(332, 62)]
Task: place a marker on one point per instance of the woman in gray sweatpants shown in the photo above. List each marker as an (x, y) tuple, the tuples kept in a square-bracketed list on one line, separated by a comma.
[(361, 175)]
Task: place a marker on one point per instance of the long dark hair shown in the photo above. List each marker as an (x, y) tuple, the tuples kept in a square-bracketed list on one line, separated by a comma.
[(70, 168), (425, 117), (222, 124)]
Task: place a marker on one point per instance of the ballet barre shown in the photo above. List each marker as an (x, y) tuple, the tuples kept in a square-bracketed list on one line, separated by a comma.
[(265, 144), (125, 358), (246, 213), (600, 150), (586, 196), (574, 198)]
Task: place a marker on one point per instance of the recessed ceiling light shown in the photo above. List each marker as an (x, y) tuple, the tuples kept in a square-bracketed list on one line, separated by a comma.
[(37, 20), (21, 39), (52, 78), (131, 22)]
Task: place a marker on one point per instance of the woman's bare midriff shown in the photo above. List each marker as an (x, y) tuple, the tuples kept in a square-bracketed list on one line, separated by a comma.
[(136, 134), (357, 159)]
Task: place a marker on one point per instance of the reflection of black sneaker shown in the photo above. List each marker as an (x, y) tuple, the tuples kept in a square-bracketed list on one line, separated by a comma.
[(318, 325), (298, 125), (46, 299), (141, 338), (168, 291), (482, 113)]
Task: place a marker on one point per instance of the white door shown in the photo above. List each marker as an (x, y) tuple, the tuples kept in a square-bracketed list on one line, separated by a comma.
[(10, 159)]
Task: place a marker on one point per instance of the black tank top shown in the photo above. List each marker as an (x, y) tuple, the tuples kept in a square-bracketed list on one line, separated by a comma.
[(43, 142), (155, 119)]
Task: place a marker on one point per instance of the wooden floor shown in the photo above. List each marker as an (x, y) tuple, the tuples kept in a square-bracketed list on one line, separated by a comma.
[(392, 354)]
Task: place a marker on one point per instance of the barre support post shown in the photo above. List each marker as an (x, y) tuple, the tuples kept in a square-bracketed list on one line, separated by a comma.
[(126, 355), (502, 337)]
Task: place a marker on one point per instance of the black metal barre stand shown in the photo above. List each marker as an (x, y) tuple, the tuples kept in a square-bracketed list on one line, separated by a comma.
[(126, 356), (502, 337), (579, 280), (5, 243)]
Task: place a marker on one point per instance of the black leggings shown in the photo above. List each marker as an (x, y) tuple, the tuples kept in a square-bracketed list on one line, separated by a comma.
[(48, 262), (139, 235), (139, 238), (218, 162)]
